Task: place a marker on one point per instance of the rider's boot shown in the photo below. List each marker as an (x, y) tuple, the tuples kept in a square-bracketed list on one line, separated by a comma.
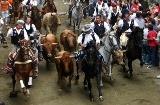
[(5, 44), (40, 57)]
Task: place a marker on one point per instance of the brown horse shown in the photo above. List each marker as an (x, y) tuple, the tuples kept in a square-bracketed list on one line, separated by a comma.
[(22, 68), (16, 10), (36, 18), (50, 7)]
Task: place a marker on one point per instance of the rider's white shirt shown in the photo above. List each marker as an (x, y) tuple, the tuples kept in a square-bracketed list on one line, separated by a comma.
[(100, 7), (33, 3), (109, 15), (24, 2), (106, 26), (10, 33), (140, 22), (28, 27), (120, 24), (88, 37), (133, 16)]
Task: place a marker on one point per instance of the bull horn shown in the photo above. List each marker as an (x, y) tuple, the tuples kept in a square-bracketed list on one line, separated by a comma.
[(75, 52), (42, 35), (62, 13), (41, 44), (72, 56), (58, 57), (54, 43), (124, 50)]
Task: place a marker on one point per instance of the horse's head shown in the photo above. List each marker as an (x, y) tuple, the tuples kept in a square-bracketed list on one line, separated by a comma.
[(113, 41), (77, 4), (91, 52), (35, 15), (24, 49), (137, 35), (50, 2)]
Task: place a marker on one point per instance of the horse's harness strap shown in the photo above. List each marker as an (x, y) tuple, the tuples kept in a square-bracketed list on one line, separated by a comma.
[(26, 62)]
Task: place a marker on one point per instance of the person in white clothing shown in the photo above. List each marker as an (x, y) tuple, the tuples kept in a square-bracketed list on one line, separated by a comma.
[(133, 15), (99, 6), (86, 37), (17, 33), (127, 24), (140, 20)]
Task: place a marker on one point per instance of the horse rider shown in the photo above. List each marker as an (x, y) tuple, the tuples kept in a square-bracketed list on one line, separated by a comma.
[(112, 17), (30, 28), (100, 27), (127, 26), (86, 36), (17, 33), (45, 3), (4, 7), (3, 40), (99, 6)]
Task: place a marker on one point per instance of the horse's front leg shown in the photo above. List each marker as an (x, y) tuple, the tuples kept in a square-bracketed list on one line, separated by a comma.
[(13, 93), (22, 83), (129, 73), (99, 87), (85, 83), (89, 88)]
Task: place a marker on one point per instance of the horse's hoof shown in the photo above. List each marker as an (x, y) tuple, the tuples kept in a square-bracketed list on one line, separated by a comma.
[(77, 77), (27, 95), (101, 98), (34, 77), (91, 99), (101, 85), (85, 87), (60, 90), (13, 94)]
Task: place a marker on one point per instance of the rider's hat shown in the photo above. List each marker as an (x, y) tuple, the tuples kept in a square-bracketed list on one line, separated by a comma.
[(20, 22), (86, 28)]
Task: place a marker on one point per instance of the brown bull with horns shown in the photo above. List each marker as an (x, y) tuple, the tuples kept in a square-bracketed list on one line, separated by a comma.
[(49, 42), (65, 67), (68, 40)]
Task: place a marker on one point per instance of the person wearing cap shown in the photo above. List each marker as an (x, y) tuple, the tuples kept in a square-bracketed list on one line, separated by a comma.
[(86, 36), (17, 33), (3, 40), (100, 27)]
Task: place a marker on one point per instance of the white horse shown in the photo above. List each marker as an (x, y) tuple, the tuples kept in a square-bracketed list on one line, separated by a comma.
[(111, 49), (77, 14)]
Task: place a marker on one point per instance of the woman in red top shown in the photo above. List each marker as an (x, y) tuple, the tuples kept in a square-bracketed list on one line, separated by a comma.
[(155, 8), (134, 5), (153, 46)]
